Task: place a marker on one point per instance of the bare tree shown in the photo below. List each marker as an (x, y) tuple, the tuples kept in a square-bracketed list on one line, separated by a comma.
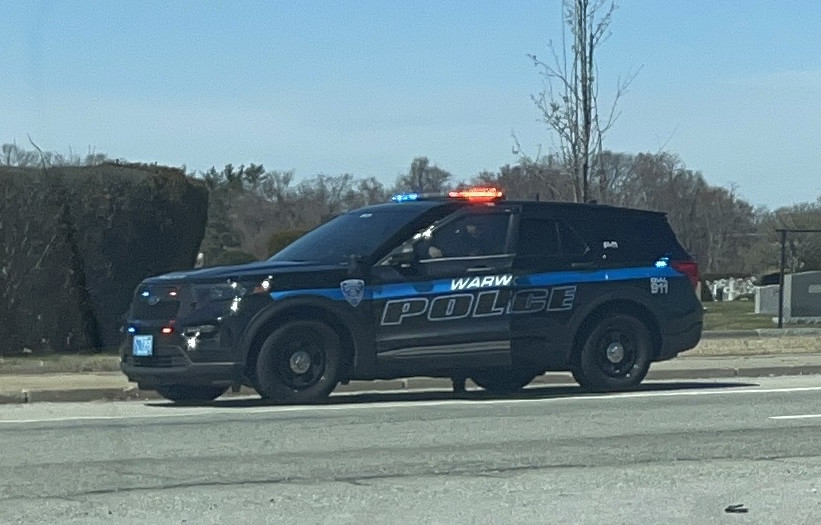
[(529, 180), (569, 101), (423, 178)]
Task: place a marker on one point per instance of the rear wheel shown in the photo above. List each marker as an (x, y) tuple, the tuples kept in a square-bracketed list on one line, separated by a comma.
[(616, 354), (299, 363), (503, 381), (183, 393)]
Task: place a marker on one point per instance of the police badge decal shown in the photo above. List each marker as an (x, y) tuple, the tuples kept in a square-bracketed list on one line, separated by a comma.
[(353, 290)]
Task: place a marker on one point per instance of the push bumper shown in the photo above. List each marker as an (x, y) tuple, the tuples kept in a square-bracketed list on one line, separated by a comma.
[(148, 377)]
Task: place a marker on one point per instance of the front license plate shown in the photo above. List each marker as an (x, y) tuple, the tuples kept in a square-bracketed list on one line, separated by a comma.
[(143, 345)]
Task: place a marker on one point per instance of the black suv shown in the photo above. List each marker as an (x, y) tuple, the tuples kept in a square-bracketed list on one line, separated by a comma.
[(466, 286)]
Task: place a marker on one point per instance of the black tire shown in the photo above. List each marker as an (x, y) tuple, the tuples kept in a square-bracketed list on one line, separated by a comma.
[(616, 354), (577, 375), (299, 363), (503, 381), (189, 393)]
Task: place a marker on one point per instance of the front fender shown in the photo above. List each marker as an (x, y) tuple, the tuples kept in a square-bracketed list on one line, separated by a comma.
[(350, 322)]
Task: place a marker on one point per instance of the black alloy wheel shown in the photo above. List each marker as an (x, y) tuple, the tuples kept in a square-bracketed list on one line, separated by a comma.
[(616, 354)]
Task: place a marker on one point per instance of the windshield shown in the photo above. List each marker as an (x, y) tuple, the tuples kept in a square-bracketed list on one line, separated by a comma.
[(354, 233)]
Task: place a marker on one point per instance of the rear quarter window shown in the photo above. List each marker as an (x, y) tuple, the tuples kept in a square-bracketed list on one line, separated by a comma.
[(631, 236)]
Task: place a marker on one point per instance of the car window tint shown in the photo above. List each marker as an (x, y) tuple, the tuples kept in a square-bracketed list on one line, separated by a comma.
[(571, 242), (546, 237), (538, 237)]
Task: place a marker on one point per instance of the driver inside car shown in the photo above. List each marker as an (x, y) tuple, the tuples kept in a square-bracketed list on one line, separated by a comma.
[(467, 241)]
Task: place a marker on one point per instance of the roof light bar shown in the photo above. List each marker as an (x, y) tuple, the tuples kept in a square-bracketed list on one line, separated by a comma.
[(478, 194)]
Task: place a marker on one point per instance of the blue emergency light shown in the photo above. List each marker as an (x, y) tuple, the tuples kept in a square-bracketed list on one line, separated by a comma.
[(405, 197)]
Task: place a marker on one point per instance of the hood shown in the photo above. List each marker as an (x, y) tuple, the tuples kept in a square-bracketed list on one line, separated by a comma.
[(240, 271)]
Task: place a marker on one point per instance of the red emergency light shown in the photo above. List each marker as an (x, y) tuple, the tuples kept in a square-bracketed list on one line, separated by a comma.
[(478, 194)]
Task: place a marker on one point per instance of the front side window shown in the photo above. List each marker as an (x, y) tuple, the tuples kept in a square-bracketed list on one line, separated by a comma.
[(472, 235)]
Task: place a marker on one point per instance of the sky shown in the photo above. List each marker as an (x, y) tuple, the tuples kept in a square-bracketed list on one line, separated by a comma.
[(364, 86)]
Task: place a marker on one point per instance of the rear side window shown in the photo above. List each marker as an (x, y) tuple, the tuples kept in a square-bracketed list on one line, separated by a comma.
[(547, 238)]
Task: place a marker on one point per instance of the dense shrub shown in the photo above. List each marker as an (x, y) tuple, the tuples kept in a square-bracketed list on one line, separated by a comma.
[(232, 257), (77, 240)]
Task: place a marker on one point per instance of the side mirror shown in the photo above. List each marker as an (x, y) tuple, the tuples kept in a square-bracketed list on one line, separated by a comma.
[(355, 266)]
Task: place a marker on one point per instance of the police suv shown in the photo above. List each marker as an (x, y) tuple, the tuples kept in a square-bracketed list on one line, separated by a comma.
[(468, 285)]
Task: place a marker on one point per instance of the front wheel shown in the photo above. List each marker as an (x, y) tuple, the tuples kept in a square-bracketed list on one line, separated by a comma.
[(503, 381), (299, 363), (616, 355), (187, 393)]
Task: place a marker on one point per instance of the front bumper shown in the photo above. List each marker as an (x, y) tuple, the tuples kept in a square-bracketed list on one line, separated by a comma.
[(170, 365), (194, 335)]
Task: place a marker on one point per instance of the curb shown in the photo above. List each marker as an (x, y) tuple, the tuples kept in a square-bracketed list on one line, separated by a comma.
[(760, 332), (76, 395), (132, 393), (717, 373)]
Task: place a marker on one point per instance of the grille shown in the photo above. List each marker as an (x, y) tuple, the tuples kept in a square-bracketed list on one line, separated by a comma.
[(162, 311)]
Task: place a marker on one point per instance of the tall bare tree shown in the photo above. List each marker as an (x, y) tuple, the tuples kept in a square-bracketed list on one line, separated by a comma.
[(569, 101)]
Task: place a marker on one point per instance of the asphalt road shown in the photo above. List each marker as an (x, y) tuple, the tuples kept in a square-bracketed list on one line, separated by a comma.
[(675, 452)]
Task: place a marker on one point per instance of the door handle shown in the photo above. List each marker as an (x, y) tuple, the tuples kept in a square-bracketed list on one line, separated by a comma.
[(477, 269)]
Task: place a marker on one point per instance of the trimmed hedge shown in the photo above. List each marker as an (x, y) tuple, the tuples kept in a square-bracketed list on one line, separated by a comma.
[(76, 241), (280, 240), (232, 257)]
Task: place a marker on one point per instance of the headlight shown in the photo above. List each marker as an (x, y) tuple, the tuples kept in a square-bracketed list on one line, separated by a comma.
[(231, 290), (222, 292), (263, 286), (219, 292)]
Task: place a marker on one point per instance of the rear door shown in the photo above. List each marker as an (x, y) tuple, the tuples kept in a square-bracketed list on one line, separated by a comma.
[(448, 308), (553, 264)]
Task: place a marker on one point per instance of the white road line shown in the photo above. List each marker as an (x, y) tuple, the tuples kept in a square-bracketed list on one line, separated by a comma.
[(212, 410), (803, 416), (725, 391)]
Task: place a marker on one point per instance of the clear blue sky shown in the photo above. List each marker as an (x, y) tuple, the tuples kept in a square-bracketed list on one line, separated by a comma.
[(364, 86)]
